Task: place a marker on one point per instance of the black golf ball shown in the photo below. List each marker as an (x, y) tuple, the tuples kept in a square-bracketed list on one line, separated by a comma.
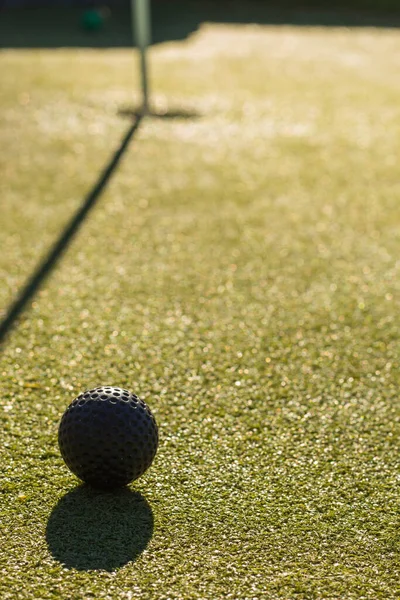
[(108, 437)]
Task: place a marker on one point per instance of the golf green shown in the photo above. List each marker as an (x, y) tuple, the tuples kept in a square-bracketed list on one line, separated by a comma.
[(240, 274)]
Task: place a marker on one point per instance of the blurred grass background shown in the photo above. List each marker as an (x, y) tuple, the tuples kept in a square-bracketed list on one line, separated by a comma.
[(241, 274), (380, 5), (58, 25)]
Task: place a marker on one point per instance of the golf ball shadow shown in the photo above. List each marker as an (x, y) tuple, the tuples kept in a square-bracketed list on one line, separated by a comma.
[(93, 530)]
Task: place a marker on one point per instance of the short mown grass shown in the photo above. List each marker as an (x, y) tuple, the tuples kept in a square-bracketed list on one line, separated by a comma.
[(241, 273)]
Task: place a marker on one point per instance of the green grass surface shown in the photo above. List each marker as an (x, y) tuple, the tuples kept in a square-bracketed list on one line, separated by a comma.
[(241, 273)]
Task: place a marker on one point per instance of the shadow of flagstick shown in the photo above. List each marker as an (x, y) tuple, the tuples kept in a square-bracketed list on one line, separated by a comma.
[(48, 263), (166, 114)]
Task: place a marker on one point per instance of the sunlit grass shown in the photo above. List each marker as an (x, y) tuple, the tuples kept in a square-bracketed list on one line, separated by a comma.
[(241, 273)]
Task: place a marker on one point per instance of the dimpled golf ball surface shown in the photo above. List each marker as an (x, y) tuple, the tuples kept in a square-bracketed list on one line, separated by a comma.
[(108, 437)]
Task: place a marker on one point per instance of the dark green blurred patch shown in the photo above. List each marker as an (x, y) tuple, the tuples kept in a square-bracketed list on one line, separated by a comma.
[(56, 27), (92, 20)]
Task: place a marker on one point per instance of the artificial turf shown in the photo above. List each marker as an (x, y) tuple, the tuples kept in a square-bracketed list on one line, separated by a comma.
[(241, 273)]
